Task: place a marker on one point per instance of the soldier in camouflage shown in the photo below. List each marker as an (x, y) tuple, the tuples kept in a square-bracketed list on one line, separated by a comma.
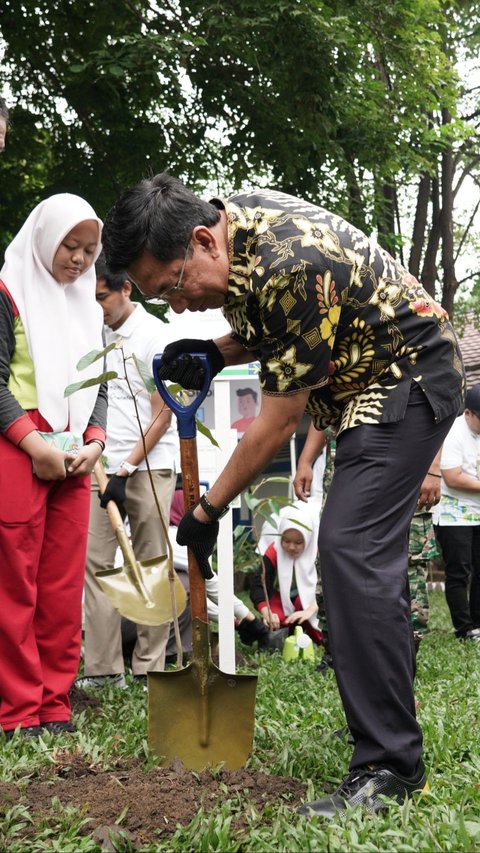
[(422, 548)]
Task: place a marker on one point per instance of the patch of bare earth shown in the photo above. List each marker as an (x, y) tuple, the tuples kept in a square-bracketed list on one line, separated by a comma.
[(153, 802)]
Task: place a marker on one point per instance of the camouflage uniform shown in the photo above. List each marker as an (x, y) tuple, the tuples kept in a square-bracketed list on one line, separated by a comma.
[(422, 547), (330, 450)]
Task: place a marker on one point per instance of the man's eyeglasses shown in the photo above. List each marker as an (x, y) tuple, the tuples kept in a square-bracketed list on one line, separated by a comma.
[(164, 297)]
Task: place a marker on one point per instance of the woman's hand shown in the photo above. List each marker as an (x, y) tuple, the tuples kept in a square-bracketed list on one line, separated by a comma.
[(84, 461), (272, 624), (49, 463), (301, 616)]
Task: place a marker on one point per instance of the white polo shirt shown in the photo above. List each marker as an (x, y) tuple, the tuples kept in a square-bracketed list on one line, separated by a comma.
[(461, 449), (143, 335)]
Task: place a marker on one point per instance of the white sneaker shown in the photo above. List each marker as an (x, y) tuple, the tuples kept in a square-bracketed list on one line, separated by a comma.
[(98, 682)]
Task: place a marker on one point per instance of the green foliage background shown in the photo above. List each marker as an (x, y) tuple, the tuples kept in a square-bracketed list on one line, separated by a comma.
[(336, 100)]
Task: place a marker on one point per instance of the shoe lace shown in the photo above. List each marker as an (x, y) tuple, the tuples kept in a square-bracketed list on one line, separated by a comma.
[(355, 780)]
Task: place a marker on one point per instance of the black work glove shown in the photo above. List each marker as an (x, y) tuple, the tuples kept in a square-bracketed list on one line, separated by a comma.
[(253, 630), (179, 366), (115, 491), (200, 537)]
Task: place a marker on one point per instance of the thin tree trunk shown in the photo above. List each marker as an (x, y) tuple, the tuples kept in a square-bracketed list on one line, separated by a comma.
[(419, 225), (446, 223), (386, 196), (356, 203), (429, 270)]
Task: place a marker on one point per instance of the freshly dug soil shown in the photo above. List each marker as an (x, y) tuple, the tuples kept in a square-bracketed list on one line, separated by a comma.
[(153, 802)]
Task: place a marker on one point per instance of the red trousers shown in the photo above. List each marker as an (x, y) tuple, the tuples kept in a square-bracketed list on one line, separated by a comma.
[(276, 606), (43, 540)]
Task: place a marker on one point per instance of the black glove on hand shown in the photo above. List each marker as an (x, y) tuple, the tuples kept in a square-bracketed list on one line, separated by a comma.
[(115, 491), (179, 366), (253, 630), (200, 537)]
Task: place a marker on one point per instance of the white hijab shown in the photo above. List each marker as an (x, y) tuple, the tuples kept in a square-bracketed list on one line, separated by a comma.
[(62, 322), (299, 516)]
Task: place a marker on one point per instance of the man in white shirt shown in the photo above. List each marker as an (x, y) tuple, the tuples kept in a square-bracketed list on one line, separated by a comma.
[(458, 519), (129, 484)]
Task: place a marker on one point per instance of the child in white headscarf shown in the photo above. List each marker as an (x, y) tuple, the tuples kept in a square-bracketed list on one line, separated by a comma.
[(49, 444), (290, 572)]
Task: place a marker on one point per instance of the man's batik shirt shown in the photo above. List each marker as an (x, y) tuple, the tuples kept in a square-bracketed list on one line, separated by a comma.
[(323, 308)]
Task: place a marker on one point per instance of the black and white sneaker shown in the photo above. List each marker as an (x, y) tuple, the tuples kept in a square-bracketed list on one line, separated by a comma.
[(472, 636), (364, 787)]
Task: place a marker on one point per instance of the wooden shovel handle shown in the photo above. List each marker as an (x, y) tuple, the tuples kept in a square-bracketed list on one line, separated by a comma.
[(191, 496)]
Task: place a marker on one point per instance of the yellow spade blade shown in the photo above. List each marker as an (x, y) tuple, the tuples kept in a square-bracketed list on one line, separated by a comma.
[(201, 728), (121, 588)]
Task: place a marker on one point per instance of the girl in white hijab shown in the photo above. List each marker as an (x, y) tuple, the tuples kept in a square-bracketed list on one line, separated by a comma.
[(290, 571), (48, 446)]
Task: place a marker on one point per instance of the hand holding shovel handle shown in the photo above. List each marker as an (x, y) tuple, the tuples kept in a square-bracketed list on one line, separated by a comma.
[(122, 538), (187, 432)]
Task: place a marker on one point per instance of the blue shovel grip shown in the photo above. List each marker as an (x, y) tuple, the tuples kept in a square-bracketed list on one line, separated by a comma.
[(185, 414)]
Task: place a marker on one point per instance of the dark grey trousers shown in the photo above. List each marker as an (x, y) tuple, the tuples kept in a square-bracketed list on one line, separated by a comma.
[(363, 545)]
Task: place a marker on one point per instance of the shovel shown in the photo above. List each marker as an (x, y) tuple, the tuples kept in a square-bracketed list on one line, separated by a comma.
[(199, 714), (141, 590)]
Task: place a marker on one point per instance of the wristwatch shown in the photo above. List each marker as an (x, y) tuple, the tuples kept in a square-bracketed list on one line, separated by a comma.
[(130, 469), (214, 512)]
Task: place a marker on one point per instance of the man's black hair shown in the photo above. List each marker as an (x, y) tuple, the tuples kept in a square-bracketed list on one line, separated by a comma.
[(113, 280), (158, 215)]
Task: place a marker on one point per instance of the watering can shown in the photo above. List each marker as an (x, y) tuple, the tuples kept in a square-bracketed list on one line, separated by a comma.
[(298, 646)]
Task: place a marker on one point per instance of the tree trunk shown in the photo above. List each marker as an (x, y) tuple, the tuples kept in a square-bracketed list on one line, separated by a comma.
[(446, 223), (356, 203), (386, 200), (429, 271), (419, 225)]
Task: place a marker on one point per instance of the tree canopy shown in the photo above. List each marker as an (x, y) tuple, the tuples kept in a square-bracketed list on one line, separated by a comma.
[(345, 102)]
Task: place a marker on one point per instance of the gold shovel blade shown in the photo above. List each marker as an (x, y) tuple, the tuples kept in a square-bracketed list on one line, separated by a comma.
[(120, 587), (180, 726)]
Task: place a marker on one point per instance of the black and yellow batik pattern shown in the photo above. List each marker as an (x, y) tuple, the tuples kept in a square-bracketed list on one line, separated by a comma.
[(324, 308)]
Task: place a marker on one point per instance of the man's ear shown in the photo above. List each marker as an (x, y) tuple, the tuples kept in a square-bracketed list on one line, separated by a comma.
[(205, 238), (127, 288)]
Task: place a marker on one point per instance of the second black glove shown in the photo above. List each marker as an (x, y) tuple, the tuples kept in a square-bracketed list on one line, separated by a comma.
[(251, 630), (200, 537), (115, 491)]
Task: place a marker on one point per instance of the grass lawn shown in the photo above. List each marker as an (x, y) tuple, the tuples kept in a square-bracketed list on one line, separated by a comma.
[(297, 710)]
